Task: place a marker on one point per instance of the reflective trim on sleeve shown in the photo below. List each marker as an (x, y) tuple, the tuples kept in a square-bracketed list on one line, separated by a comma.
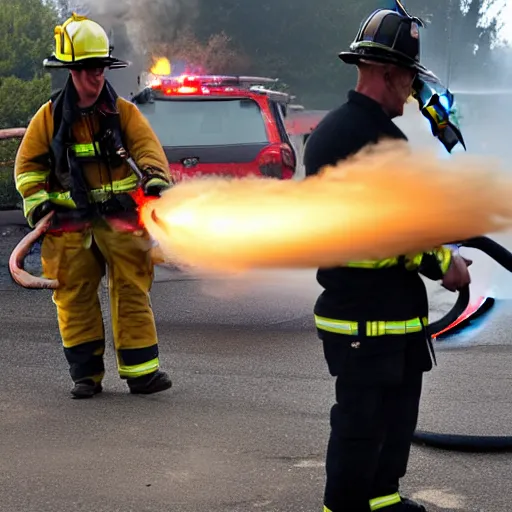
[(384, 501), (33, 201), (373, 264), (444, 257), (62, 199), (29, 179), (413, 262), (156, 182)]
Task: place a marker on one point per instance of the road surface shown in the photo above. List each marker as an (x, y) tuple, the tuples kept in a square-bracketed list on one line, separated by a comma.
[(246, 424)]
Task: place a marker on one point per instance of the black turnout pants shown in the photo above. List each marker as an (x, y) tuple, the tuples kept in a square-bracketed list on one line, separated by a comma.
[(378, 388)]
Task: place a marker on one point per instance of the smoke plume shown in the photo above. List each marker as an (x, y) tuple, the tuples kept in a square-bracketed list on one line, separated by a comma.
[(140, 29), (147, 22)]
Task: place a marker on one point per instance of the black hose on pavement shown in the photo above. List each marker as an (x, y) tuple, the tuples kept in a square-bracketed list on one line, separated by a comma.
[(456, 442)]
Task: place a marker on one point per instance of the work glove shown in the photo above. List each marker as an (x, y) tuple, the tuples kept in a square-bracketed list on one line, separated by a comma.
[(64, 219), (155, 183), (39, 212), (457, 276)]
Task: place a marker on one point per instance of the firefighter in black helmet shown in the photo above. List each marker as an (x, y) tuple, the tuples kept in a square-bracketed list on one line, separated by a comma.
[(371, 316)]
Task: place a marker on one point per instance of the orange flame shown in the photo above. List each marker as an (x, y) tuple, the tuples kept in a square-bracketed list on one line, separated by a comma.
[(386, 201), (161, 67)]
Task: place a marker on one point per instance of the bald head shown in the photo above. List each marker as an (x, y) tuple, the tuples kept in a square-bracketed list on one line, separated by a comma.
[(388, 84)]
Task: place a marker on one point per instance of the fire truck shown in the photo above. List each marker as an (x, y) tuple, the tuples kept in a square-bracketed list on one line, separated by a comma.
[(234, 126)]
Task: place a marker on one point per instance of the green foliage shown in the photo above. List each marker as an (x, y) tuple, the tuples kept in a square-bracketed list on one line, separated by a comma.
[(26, 37), (299, 41), (20, 99)]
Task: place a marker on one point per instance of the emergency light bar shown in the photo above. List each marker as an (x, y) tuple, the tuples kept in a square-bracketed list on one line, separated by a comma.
[(203, 85)]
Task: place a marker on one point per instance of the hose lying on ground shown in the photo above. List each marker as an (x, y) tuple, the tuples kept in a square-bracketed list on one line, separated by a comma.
[(467, 443)]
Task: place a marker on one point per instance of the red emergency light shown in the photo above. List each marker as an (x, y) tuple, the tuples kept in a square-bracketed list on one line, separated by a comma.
[(179, 85), (199, 85)]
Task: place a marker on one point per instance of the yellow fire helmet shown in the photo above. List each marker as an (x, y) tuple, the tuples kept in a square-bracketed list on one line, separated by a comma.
[(81, 43)]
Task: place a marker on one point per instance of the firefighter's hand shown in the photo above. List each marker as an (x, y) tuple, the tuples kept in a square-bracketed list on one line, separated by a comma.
[(41, 211), (457, 276), (155, 186)]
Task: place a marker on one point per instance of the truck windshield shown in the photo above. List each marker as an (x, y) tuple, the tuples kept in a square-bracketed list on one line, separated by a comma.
[(206, 122)]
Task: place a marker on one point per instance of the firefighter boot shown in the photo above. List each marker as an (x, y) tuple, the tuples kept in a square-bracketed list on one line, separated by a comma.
[(86, 389), (405, 505), (149, 384), (412, 506)]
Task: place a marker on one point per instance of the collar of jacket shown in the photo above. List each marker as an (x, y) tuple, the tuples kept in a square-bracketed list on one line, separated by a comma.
[(365, 102), (65, 112), (375, 108)]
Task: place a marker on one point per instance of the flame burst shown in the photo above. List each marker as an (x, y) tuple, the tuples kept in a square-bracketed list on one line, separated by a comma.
[(162, 67), (385, 201)]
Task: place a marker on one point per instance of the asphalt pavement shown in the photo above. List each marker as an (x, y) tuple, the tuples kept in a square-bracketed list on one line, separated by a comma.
[(245, 425)]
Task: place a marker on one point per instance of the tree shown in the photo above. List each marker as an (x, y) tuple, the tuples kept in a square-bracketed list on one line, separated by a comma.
[(297, 42), (455, 44), (26, 37), (20, 99)]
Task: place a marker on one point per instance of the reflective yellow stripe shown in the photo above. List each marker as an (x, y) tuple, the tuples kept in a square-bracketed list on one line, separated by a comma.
[(385, 263), (29, 179), (128, 184), (32, 201), (86, 150), (327, 509), (403, 327), (375, 328), (157, 181), (138, 370), (444, 257), (411, 262), (384, 501), (336, 326), (414, 261), (62, 199)]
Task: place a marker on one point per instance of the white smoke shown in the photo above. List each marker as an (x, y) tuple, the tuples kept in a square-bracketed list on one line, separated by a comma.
[(138, 28), (146, 22)]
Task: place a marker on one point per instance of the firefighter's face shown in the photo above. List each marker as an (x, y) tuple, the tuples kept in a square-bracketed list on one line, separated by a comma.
[(88, 83), (399, 83)]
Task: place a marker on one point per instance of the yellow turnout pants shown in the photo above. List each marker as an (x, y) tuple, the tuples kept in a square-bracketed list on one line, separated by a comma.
[(77, 260)]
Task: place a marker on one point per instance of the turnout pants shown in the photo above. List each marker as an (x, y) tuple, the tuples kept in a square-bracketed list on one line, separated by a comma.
[(378, 388), (77, 260)]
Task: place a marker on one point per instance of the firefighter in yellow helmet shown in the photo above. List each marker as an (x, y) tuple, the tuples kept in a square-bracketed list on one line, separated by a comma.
[(68, 164)]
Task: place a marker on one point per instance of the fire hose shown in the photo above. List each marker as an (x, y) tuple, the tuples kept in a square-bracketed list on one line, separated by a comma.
[(456, 442)]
